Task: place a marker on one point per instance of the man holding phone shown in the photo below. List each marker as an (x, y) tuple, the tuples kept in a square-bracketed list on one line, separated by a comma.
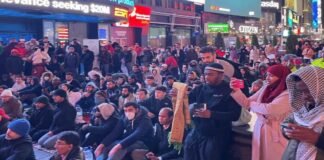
[(212, 110), (305, 127)]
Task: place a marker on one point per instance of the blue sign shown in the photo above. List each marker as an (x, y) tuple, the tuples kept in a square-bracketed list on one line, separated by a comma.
[(315, 14)]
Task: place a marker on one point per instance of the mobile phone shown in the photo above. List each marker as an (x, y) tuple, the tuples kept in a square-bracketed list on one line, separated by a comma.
[(238, 83), (201, 106)]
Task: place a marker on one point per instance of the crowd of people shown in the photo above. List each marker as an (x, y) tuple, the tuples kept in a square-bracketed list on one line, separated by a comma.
[(129, 102)]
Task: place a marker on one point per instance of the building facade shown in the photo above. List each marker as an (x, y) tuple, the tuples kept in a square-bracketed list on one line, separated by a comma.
[(172, 21)]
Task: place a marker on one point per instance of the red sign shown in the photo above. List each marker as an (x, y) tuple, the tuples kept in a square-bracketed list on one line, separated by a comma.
[(140, 16)]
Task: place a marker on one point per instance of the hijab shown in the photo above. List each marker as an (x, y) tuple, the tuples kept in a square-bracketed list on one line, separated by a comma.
[(275, 89)]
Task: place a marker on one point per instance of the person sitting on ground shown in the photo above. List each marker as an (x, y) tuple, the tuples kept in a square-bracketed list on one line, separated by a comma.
[(163, 150), (112, 91), (87, 100), (68, 147), (150, 85), (41, 118), (156, 102), (126, 96), (141, 96), (63, 120), (11, 105), (34, 90), (19, 84), (105, 121), (69, 79), (134, 131), (4, 121), (16, 144), (73, 95)]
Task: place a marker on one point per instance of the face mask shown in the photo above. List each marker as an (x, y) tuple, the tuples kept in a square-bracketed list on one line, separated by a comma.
[(46, 78), (130, 115)]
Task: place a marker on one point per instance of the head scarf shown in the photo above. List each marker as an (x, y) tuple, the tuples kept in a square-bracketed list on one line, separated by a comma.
[(313, 77), (275, 89)]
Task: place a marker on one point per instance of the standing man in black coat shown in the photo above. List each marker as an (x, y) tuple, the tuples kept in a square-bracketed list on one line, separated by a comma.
[(213, 110), (180, 55), (86, 61), (72, 61), (16, 144), (63, 120)]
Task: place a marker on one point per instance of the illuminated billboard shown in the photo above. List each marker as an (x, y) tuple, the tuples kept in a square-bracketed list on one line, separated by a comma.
[(246, 8)]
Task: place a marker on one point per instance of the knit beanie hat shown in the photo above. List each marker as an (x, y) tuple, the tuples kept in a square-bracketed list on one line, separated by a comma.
[(42, 99), (6, 92), (20, 126), (92, 84), (60, 92), (106, 110)]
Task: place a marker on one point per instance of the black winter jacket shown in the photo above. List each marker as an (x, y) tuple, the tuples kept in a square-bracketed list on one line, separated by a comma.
[(18, 149), (64, 118)]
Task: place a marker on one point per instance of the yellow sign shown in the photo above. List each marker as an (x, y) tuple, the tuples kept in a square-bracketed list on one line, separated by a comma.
[(120, 12)]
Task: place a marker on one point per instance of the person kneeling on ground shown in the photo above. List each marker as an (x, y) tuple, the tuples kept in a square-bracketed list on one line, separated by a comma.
[(135, 131), (41, 118), (68, 147), (63, 120), (16, 144)]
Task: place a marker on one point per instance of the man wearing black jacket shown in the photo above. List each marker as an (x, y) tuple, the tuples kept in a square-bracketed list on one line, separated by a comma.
[(156, 102), (212, 109), (63, 120), (106, 118), (16, 144), (41, 118), (134, 131), (86, 60), (162, 149)]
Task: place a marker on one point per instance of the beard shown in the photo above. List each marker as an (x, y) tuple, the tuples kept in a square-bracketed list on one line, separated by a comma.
[(125, 95)]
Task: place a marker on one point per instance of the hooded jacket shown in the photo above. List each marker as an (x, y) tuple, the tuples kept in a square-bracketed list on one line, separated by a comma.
[(313, 77), (41, 119), (18, 149), (128, 132)]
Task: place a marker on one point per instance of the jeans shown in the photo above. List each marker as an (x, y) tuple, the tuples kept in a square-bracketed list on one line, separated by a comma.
[(121, 153), (48, 141)]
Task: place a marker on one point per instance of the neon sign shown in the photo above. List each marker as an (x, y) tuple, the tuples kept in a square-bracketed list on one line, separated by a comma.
[(71, 5)]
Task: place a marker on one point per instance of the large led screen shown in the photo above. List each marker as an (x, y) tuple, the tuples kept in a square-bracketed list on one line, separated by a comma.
[(245, 8)]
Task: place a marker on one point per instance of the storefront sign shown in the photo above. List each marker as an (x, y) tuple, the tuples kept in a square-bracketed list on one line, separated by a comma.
[(95, 7), (248, 29), (270, 4), (292, 18), (130, 3), (217, 27), (121, 12), (140, 16)]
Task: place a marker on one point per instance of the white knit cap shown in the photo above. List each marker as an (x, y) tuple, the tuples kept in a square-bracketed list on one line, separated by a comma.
[(6, 92), (106, 110)]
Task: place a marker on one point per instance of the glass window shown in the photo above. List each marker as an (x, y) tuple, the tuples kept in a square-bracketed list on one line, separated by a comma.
[(186, 6), (181, 36), (157, 37), (158, 3), (170, 3)]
